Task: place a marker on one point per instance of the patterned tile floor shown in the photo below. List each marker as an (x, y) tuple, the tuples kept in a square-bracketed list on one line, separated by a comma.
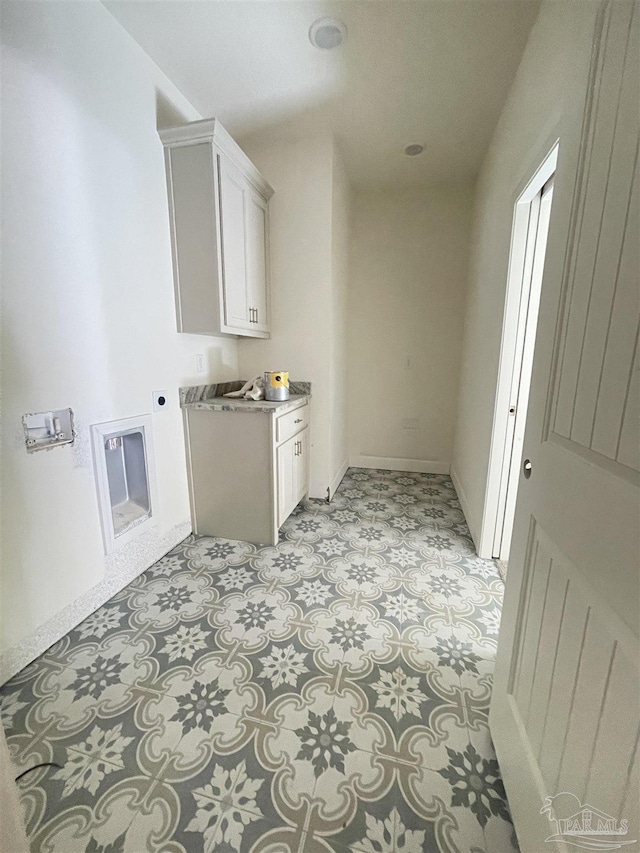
[(328, 694)]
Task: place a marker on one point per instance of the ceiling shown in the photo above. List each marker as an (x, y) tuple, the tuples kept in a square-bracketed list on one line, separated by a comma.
[(434, 72)]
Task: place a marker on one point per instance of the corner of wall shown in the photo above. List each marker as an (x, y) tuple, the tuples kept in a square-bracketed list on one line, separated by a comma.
[(464, 504)]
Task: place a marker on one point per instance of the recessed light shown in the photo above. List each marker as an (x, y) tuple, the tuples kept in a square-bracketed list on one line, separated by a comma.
[(327, 33), (413, 150)]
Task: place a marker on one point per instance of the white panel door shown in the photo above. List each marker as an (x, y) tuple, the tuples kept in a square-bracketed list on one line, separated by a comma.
[(233, 241), (565, 706), (257, 260)]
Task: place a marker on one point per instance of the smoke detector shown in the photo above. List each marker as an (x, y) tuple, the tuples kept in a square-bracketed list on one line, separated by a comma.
[(413, 150), (327, 33)]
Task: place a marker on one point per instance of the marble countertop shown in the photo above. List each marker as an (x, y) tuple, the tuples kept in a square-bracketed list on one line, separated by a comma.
[(234, 404)]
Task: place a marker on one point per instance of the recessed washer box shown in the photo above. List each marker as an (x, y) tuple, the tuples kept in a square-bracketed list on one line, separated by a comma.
[(125, 477)]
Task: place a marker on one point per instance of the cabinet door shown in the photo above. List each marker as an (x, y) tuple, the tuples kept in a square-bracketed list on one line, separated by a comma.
[(287, 478), (232, 188), (301, 461), (256, 224), (293, 473)]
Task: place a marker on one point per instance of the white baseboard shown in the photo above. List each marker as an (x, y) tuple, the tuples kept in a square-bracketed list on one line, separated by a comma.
[(393, 463), (463, 503), (121, 568), (338, 478)]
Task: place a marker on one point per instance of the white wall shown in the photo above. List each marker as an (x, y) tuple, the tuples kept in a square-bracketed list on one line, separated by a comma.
[(405, 317), (550, 76), (306, 252), (88, 311)]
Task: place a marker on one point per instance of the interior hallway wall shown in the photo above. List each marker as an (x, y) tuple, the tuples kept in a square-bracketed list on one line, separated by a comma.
[(88, 308), (405, 319), (308, 214), (341, 203), (550, 76)]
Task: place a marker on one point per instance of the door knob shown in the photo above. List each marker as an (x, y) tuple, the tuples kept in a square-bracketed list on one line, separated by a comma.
[(526, 468)]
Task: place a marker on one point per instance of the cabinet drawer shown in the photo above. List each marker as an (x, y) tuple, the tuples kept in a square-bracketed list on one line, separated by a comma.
[(291, 423)]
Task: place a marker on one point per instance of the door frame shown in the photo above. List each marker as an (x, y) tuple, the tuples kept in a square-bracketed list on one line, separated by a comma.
[(503, 422)]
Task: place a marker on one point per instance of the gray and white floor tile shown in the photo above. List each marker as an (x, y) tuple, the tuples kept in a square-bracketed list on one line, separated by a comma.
[(327, 695)]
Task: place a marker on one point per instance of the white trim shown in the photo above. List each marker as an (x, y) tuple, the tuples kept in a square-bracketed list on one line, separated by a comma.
[(121, 568), (393, 463), (522, 205), (464, 503), (338, 479)]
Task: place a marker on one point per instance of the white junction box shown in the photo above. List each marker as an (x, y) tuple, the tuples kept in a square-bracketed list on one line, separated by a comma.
[(44, 430)]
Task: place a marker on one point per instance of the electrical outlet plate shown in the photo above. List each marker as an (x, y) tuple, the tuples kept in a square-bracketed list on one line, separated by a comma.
[(200, 363), (160, 400)]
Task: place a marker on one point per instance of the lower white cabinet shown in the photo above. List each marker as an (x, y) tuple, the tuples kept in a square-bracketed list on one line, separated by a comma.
[(292, 474), (248, 467)]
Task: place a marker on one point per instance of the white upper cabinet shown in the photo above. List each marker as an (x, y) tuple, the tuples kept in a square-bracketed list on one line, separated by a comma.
[(219, 216), (257, 225), (234, 243)]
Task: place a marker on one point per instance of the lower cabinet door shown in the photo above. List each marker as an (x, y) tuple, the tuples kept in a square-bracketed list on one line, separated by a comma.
[(287, 471), (301, 461), (292, 457)]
